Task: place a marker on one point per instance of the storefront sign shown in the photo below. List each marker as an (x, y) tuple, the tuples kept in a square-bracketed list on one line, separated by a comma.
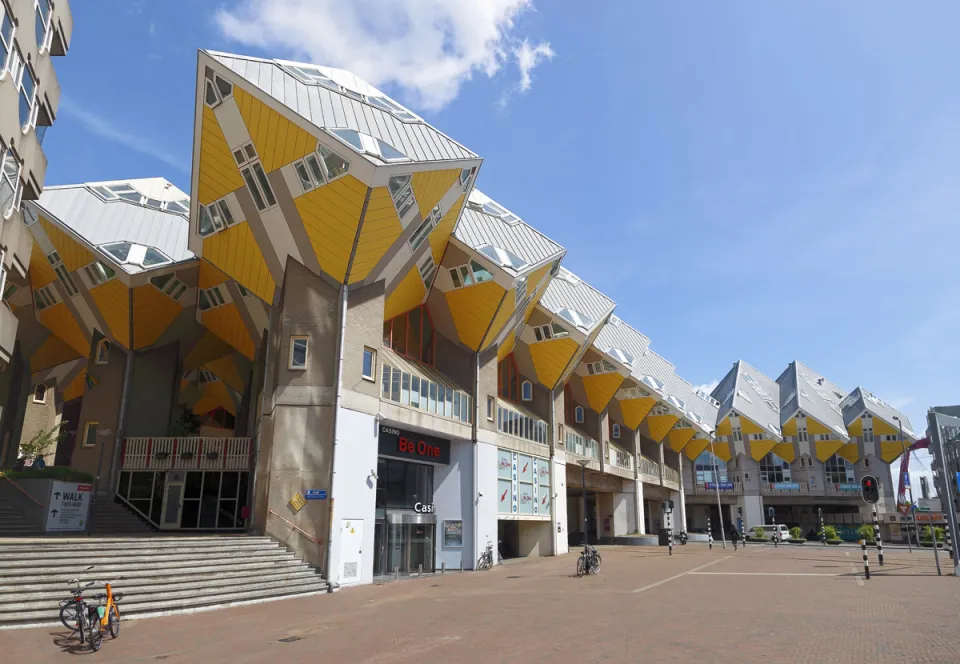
[(786, 486), (848, 487), (69, 506), (315, 494), (723, 486), (396, 442), (453, 534), (424, 508)]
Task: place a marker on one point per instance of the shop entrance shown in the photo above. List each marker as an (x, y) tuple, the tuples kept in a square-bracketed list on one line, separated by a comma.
[(406, 548), (508, 533), (404, 536)]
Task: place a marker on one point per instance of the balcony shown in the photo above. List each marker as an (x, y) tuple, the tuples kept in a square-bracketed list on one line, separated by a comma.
[(186, 454), (580, 446), (512, 422), (402, 383), (785, 488), (649, 470), (619, 458), (8, 333), (704, 488), (671, 478)]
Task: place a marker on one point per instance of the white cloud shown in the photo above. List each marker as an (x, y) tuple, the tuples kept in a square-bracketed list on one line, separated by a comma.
[(107, 129), (429, 48), (707, 388)]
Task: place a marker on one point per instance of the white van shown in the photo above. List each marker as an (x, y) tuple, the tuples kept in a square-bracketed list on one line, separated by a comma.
[(779, 532)]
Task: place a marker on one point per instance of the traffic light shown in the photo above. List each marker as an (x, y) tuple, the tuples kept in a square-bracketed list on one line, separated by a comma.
[(869, 489)]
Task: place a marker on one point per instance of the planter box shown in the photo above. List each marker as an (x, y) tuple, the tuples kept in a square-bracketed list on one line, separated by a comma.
[(834, 542), (796, 541)]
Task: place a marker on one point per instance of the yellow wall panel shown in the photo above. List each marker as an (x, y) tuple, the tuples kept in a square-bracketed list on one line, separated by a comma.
[(855, 428), (278, 140), (882, 428), (760, 448), (440, 236), (73, 254), (506, 347), (407, 295), (550, 358), (41, 273), (504, 314), (827, 448), (235, 252), (472, 309), (634, 410), (219, 174), (209, 348), (226, 370), (695, 447), (204, 405), (678, 438), (61, 322), (381, 228), (330, 215), (659, 425), (790, 428), (890, 451), (815, 428), (601, 388), (430, 186), (210, 276), (227, 323), (76, 387), (850, 452), (749, 426), (722, 451), (153, 312), (724, 428), (52, 352), (785, 451), (113, 300), (218, 393)]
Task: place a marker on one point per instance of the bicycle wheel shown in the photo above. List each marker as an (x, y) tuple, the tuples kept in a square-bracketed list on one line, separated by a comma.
[(94, 635), (482, 563), (69, 616), (595, 564), (114, 622), (581, 565)]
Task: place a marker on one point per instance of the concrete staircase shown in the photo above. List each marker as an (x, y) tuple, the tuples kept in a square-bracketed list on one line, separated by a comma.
[(161, 575), (111, 518), (14, 523)]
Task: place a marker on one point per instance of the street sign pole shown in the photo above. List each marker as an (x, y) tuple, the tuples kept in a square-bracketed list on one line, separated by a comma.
[(948, 505)]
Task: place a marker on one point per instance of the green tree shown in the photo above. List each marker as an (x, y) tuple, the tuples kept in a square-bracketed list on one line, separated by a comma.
[(796, 533), (39, 446), (926, 535)]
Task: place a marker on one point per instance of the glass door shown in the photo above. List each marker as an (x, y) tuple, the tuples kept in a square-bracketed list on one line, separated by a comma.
[(420, 547), (172, 501), (379, 548)]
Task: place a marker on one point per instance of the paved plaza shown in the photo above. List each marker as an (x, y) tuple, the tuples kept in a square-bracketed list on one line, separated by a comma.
[(800, 604)]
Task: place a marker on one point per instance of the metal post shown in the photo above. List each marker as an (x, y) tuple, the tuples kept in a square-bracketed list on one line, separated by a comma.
[(668, 517), (443, 568), (866, 562), (948, 505), (419, 570), (396, 573), (709, 532), (823, 530), (936, 554), (743, 535), (776, 535), (583, 483), (876, 536), (716, 484), (913, 514)]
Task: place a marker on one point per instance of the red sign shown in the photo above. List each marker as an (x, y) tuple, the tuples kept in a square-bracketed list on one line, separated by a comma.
[(409, 444), (84, 487)]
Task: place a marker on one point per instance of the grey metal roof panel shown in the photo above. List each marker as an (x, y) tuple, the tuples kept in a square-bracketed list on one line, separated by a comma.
[(803, 388), (878, 408), (567, 291), (705, 407), (477, 228), (617, 333), (332, 110), (653, 371), (100, 222), (752, 394)]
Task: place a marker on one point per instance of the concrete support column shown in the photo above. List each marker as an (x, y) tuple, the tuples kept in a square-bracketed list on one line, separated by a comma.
[(558, 516), (683, 498), (752, 511), (641, 517)]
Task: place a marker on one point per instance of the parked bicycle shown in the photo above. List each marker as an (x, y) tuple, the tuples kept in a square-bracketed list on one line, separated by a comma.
[(90, 620), (485, 561), (589, 561)]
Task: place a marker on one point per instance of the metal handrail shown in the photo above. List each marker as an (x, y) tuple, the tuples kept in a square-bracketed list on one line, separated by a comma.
[(298, 529), (21, 490)]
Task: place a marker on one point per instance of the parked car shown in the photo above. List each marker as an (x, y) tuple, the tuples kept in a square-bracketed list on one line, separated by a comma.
[(779, 532)]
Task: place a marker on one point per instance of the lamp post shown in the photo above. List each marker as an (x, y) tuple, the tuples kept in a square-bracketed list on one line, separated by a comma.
[(583, 484), (913, 512), (716, 484)]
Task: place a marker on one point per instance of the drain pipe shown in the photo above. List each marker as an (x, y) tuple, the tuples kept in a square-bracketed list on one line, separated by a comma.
[(477, 413), (336, 434)]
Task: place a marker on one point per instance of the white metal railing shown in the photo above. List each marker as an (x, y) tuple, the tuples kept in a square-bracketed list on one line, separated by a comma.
[(619, 457), (418, 392), (186, 453), (585, 447), (649, 467), (671, 475), (515, 423)]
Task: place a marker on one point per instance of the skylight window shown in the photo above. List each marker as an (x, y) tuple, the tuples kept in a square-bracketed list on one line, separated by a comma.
[(370, 145), (503, 257), (583, 321), (312, 76), (568, 276), (652, 382), (679, 403), (130, 253), (621, 355), (495, 210), (119, 250), (392, 107)]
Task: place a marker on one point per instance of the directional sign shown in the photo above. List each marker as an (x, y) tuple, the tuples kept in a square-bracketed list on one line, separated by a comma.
[(315, 494), (69, 506), (906, 480)]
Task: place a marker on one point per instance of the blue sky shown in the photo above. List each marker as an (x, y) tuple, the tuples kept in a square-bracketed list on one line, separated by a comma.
[(746, 179)]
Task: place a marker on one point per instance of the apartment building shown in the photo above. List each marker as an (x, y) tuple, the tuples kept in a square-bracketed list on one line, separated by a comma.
[(337, 339)]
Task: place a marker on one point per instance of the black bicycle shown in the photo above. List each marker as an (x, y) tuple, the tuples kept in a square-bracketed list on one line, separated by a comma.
[(81, 617), (589, 561), (485, 561)]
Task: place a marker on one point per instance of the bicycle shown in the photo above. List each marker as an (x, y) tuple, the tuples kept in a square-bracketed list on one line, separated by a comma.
[(81, 616), (485, 561), (110, 616), (71, 609), (589, 561)]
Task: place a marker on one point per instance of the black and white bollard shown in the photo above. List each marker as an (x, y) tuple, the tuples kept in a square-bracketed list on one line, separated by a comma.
[(866, 561), (823, 530), (709, 535), (743, 538), (876, 537)]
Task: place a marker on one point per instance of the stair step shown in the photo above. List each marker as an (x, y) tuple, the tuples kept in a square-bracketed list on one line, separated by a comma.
[(70, 540), (139, 549), (68, 558), (123, 568)]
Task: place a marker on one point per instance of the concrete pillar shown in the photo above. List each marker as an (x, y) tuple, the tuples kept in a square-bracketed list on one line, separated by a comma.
[(752, 511), (558, 516), (683, 498), (624, 510), (640, 504)]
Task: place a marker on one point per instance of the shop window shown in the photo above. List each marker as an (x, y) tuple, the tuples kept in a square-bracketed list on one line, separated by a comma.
[(298, 352), (90, 434), (578, 414), (401, 485), (508, 379), (411, 334), (103, 351), (369, 363), (40, 394)]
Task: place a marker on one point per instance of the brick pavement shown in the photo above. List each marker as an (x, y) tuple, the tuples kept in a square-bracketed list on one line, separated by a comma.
[(801, 604)]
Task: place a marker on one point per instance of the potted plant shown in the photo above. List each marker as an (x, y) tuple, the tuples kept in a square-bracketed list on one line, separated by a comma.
[(796, 536), (757, 535), (187, 456), (833, 537), (866, 532), (161, 456), (926, 536)]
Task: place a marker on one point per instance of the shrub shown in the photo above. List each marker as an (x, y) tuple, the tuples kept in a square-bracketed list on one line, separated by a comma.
[(61, 473), (758, 532), (866, 532), (39, 446), (831, 532), (796, 533), (926, 535)]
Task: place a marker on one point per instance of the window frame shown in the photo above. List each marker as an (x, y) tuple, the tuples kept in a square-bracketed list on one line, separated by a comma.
[(526, 390), (211, 84), (372, 354), (578, 414), (86, 434), (294, 338), (425, 228), (102, 355), (17, 190), (5, 13), (615, 430), (44, 45), (27, 70), (491, 408), (36, 390)]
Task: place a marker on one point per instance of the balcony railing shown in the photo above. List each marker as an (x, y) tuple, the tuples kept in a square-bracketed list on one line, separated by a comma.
[(186, 454), (649, 467), (785, 488), (671, 475), (515, 423), (409, 389), (577, 444), (619, 457)]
